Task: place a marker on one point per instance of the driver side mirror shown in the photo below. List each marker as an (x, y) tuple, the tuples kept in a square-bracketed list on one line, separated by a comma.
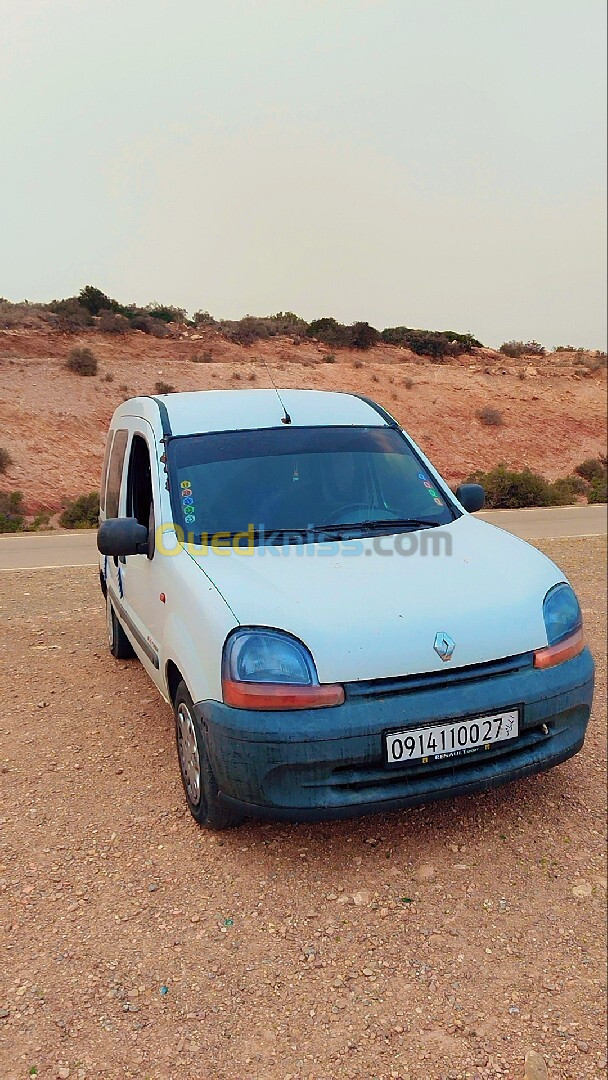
[(122, 536), (471, 496)]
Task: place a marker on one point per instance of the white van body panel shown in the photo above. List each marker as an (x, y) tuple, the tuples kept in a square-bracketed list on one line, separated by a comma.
[(197, 622), (370, 613)]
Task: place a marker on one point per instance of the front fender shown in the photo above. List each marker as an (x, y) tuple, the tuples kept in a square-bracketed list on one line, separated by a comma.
[(194, 644)]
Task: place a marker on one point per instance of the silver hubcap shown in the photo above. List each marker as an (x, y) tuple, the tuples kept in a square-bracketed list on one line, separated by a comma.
[(188, 753), (109, 622)]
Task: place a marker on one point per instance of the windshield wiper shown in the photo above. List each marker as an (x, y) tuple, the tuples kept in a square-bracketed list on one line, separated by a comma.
[(336, 532), (376, 524)]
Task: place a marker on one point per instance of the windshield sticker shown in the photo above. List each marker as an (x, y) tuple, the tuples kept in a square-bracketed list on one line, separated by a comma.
[(187, 502)]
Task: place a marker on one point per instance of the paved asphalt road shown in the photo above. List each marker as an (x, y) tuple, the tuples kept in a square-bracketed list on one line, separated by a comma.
[(29, 551)]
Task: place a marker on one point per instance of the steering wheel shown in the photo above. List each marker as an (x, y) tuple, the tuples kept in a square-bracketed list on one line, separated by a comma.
[(341, 515)]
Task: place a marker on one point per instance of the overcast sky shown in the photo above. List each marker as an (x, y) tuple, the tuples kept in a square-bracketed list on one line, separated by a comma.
[(433, 163)]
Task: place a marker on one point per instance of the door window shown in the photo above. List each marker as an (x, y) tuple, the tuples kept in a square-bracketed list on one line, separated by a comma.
[(140, 500), (117, 457)]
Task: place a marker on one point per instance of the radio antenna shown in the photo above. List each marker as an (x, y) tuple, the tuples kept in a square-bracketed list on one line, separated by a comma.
[(286, 418)]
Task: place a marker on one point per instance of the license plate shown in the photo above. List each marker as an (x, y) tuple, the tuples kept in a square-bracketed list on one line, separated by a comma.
[(437, 741)]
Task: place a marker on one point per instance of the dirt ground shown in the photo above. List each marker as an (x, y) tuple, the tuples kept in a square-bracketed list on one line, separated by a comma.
[(54, 423), (434, 944)]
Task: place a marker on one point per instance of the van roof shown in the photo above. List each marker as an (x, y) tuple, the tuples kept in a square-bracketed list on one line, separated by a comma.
[(234, 410)]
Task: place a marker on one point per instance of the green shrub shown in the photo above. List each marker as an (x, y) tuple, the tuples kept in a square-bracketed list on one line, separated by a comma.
[(164, 387), (81, 513), (166, 313), (591, 469), (508, 488), (82, 361), (94, 300), (490, 417), (566, 490), (330, 332), (328, 358), (39, 521), (5, 459), (364, 336), (11, 511), (466, 341), (598, 491), (432, 343)]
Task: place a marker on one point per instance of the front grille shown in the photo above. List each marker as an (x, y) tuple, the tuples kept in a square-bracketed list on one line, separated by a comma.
[(437, 680), (359, 777)]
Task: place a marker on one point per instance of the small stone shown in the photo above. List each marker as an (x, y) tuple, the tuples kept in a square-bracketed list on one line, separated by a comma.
[(535, 1067), (62, 1073), (584, 889), (362, 897), (424, 872), (153, 886), (368, 972)]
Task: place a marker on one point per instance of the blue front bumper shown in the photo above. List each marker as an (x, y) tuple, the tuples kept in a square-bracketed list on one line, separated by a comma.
[(328, 763)]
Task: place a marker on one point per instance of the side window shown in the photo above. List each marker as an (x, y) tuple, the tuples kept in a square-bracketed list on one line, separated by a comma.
[(117, 457), (104, 472), (140, 500)]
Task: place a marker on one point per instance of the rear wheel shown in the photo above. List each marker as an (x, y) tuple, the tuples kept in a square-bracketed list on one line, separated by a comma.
[(120, 646), (199, 782)]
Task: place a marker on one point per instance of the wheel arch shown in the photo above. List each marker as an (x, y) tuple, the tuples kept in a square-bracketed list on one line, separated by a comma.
[(173, 677)]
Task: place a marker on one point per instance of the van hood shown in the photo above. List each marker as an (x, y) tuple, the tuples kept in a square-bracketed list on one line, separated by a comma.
[(370, 614)]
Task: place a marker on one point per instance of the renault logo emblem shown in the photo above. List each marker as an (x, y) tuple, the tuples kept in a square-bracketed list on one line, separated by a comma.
[(444, 646)]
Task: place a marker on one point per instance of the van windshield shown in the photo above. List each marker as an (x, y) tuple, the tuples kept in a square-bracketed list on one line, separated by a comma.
[(321, 481)]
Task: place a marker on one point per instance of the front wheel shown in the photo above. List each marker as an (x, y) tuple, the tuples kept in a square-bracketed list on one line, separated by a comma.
[(197, 776), (120, 646)]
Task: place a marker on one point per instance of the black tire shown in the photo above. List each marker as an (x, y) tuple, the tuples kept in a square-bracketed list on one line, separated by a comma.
[(119, 644), (201, 795)]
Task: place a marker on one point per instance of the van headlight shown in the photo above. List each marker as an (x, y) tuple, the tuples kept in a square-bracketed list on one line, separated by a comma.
[(270, 669), (564, 626)]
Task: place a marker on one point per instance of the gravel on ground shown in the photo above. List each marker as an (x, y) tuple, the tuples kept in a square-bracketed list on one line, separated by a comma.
[(445, 943)]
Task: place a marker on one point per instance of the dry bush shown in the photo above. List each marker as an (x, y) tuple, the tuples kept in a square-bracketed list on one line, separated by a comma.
[(5, 459), (490, 417), (205, 357), (161, 387), (149, 325), (24, 316), (112, 323), (82, 361), (408, 383)]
